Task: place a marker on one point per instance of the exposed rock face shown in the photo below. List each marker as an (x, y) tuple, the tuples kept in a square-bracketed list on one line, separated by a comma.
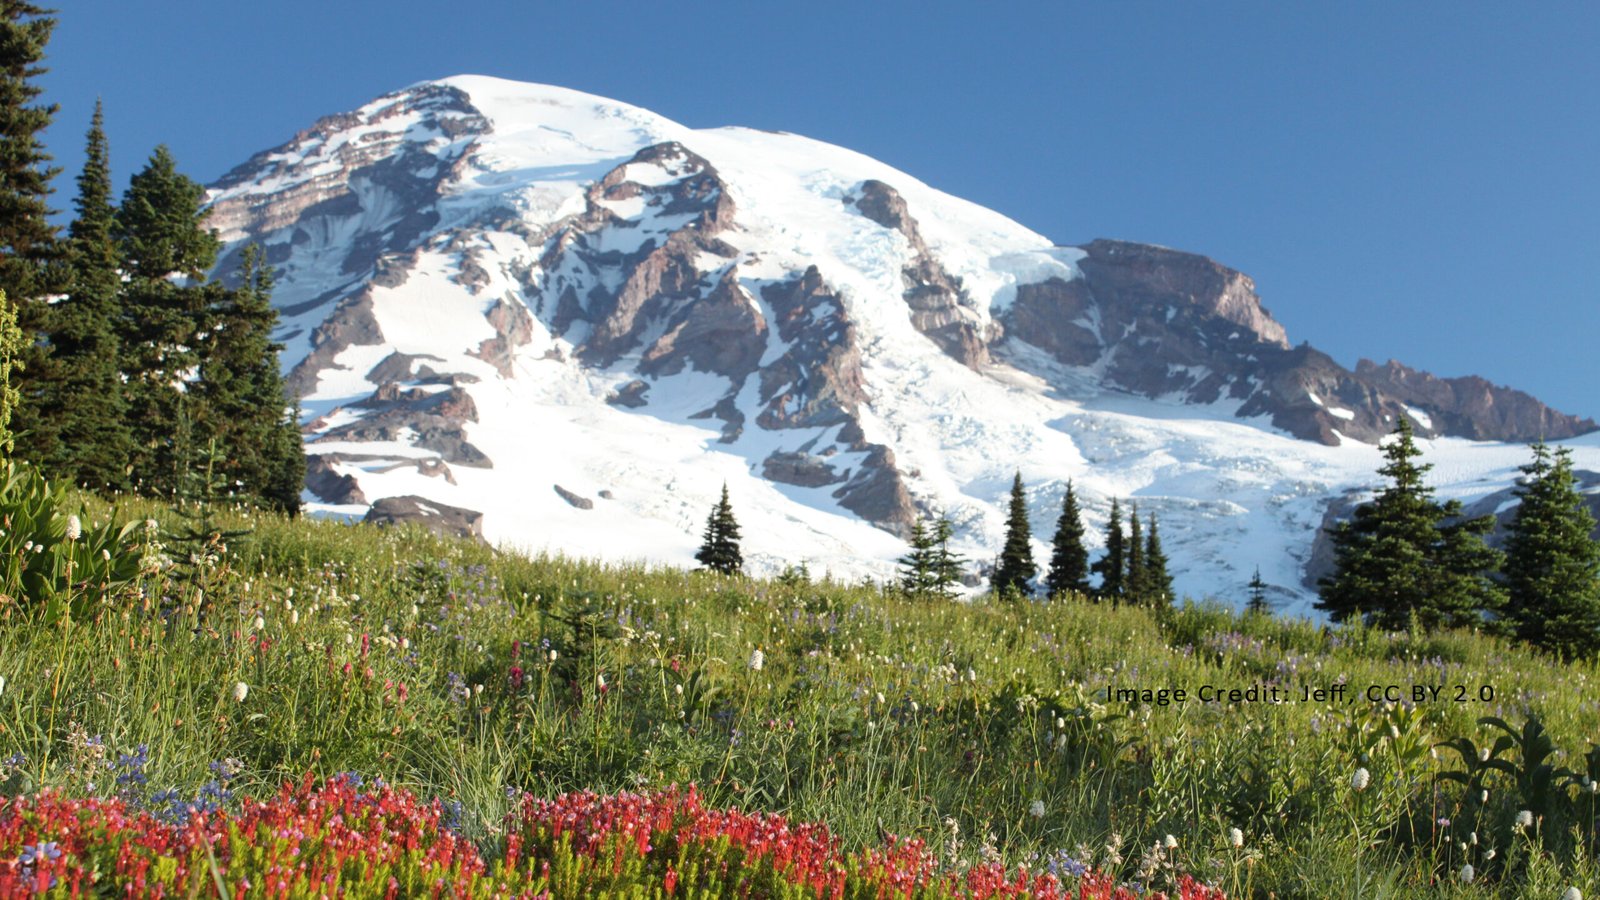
[(435, 419), (350, 324), (451, 521), (1472, 407), (328, 485), (513, 327), (801, 469), (939, 307), (1166, 323)]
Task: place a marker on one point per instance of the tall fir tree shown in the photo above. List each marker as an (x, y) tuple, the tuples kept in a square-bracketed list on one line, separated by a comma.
[(239, 394), (1069, 560), (1552, 566), (85, 406), (1015, 568), (917, 567), (160, 230), (1157, 579), (1257, 604), (1405, 556), (29, 247), (947, 564), (1113, 567), (719, 548), (1133, 584)]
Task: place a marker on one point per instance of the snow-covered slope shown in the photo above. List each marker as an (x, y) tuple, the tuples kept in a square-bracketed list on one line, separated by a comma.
[(582, 320)]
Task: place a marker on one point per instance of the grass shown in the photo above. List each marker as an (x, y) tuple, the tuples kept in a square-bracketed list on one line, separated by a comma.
[(986, 729)]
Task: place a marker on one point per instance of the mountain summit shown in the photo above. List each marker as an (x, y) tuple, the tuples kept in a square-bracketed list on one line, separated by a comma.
[(565, 322)]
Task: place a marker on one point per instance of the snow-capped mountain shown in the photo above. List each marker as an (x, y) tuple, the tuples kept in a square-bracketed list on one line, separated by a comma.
[(567, 322)]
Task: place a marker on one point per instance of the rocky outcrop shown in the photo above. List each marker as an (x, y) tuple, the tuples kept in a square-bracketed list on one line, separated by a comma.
[(723, 333), (1471, 406), (939, 306), (577, 501), (431, 420), (350, 324), (799, 469), (440, 518), (1161, 322), (327, 485), (408, 141), (513, 327)]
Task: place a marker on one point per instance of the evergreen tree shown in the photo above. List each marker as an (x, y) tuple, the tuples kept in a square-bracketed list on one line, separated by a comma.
[(160, 233), (1069, 561), (28, 245), (1401, 556), (1552, 567), (161, 224), (1133, 582), (719, 549), (917, 576), (1157, 580), (1113, 567), (1015, 567), (1258, 595), (947, 566), (85, 407), (240, 393)]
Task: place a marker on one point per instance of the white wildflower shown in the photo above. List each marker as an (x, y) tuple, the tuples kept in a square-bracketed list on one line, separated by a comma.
[(258, 623), (1572, 893), (678, 689), (240, 691), (2, 684), (1235, 838), (74, 528), (554, 656), (294, 617), (1490, 853), (1036, 809), (757, 660), (1360, 779), (1525, 819), (1170, 842), (1467, 873), (600, 682)]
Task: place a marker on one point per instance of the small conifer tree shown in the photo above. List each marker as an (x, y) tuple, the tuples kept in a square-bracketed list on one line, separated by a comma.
[(1405, 557), (917, 567), (1133, 582), (1257, 604), (1157, 580), (947, 565), (1015, 567), (719, 549), (1552, 567), (1113, 567), (1069, 560)]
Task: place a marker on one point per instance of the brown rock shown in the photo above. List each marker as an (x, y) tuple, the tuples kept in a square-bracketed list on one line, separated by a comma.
[(440, 518)]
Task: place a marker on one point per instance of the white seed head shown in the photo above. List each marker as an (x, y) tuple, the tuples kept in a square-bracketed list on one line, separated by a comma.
[(1235, 838), (1572, 893), (1170, 842), (240, 691), (1525, 819), (1360, 778), (757, 660), (1467, 873), (1036, 809)]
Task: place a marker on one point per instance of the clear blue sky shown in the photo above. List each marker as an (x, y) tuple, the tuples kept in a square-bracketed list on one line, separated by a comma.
[(1418, 181)]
